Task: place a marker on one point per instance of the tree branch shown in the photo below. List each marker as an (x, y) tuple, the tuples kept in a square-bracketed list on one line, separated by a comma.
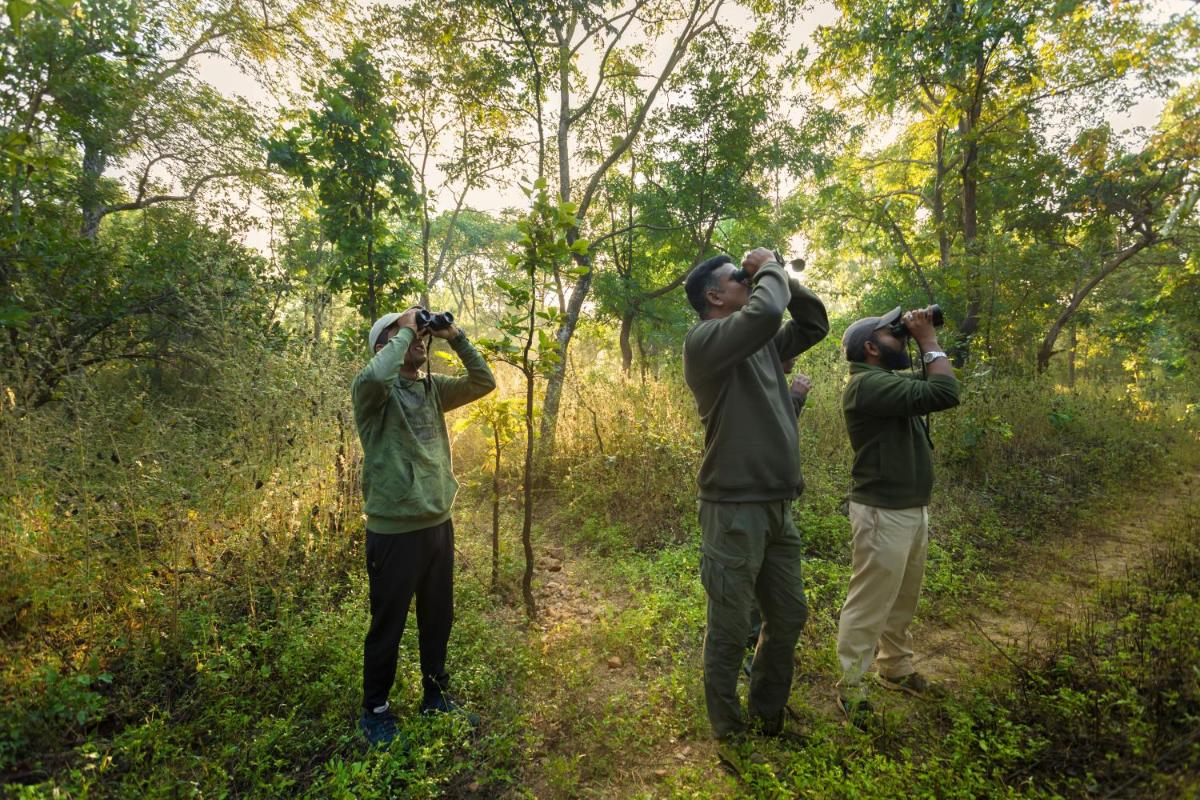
[(595, 243), (143, 202), (694, 29)]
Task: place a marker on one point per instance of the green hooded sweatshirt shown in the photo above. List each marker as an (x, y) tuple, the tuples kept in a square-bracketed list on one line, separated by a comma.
[(734, 367), (407, 479)]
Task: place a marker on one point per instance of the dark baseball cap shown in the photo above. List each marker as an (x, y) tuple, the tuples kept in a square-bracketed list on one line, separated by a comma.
[(860, 331)]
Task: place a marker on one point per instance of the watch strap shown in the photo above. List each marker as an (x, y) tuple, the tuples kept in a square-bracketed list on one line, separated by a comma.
[(933, 355)]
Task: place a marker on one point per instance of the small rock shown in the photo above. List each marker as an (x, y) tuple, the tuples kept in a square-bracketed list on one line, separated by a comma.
[(614, 662), (473, 786), (660, 773), (554, 566)]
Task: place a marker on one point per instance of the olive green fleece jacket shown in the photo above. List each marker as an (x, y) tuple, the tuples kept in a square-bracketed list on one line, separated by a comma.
[(893, 462), (408, 483), (734, 368)]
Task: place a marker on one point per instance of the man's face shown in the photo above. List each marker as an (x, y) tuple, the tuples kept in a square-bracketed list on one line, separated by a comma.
[(893, 354), (731, 294), (417, 353)]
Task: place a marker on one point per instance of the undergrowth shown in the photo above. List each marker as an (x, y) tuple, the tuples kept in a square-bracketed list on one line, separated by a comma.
[(183, 598)]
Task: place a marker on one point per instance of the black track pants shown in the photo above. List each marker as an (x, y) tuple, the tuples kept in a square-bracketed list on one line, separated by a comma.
[(399, 566)]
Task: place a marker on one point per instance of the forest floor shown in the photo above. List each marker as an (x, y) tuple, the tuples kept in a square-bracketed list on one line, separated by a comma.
[(1048, 584), (1025, 609)]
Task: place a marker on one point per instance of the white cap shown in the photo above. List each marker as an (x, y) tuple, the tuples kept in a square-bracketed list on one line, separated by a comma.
[(381, 325)]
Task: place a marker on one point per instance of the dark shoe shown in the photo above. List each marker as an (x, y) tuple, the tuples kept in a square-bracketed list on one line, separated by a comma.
[(379, 729), (443, 703), (738, 756), (858, 711), (767, 726), (913, 683)]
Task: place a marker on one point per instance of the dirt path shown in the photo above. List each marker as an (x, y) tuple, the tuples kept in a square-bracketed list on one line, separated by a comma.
[(1049, 584)]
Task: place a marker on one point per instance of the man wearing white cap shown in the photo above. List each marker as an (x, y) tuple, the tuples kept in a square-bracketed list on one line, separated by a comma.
[(889, 514), (408, 489)]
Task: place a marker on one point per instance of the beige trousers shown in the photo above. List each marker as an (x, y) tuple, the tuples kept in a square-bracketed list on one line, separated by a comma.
[(885, 582)]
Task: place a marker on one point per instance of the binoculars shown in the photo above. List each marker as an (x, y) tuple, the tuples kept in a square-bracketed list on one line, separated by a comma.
[(797, 264), (899, 330), (433, 322)]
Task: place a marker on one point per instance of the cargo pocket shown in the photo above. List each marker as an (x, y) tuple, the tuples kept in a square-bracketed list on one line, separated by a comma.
[(724, 578)]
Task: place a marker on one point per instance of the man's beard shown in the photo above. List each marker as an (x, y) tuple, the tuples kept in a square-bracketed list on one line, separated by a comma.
[(893, 359)]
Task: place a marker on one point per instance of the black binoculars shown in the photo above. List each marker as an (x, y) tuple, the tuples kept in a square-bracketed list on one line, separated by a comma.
[(900, 330), (433, 322), (741, 276)]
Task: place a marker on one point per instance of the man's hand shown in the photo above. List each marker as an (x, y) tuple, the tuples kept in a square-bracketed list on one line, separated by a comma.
[(409, 319), (920, 325), (919, 322), (801, 386), (755, 259), (449, 332)]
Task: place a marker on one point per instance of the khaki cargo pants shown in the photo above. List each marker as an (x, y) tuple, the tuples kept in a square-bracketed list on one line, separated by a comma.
[(888, 567), (750, 551)]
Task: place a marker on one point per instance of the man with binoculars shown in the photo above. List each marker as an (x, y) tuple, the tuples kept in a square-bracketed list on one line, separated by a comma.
[(892, 482), (409, 488), (749, 476)]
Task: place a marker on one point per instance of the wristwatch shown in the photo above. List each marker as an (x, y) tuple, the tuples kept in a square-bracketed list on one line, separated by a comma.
[(932, 356)]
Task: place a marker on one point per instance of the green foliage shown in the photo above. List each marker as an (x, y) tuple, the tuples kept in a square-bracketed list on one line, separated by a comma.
[(349, 150)]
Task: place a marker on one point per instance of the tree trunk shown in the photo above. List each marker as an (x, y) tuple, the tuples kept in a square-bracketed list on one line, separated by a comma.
[(94, 163), (496, 513), (1072, 343), (554, 384), (970, 229), (939, 201), (566, 330), (626, 347), (372, 295), (426, 227), (528, 371)]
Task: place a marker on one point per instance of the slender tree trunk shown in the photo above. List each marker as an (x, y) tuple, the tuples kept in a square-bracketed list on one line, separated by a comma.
[(1072, 344), (554, 384), (527, 369), (527, 519), (94, 163), (425, 229), (970, 228), (372, 295), (939, 200), (496, 512), (626, 347)]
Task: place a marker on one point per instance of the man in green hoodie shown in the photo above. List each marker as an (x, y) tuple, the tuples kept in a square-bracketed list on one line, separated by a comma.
[(409, 488), (889, 500), (749, 476)]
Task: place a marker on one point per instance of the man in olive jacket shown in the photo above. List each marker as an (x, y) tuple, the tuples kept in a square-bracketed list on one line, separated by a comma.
[(889, 501), (749, 476), (409, 487)]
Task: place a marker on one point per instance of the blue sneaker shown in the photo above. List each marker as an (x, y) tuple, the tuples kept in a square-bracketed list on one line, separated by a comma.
[(443, 703), (379, 729)]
